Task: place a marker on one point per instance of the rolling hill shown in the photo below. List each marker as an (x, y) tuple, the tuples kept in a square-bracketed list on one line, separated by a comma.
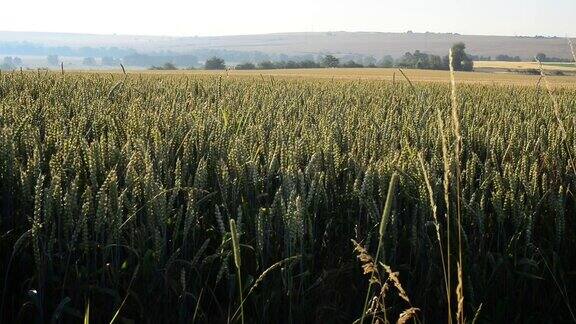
[(364, 43)]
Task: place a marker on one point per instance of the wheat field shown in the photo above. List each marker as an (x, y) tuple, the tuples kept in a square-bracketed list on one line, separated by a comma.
[(382, 74), (565, 67), (215, 198)]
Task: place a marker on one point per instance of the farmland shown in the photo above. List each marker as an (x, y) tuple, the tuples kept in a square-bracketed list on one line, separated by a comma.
[(413, 75), (234, 196), (523, 66), (375, 74)]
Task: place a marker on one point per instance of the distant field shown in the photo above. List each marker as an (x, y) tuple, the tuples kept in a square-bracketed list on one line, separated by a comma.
[(390, 74), (566, 65), (569, 67)]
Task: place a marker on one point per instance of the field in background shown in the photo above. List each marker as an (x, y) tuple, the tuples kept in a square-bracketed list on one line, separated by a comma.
[(381, 74), (565, 67)]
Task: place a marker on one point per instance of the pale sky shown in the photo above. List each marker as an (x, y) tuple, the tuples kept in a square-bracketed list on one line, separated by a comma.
[(211, 17)]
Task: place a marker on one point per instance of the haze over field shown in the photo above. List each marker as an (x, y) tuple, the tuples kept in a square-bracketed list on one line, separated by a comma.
[(364, 43), (212, 18), (366, 27)]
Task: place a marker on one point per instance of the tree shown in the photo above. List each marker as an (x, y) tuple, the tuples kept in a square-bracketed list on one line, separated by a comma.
[(460, 60), (8, 63), (166, 66), (169, 66), (53, 59), (215, 63), (507, 58), (8, 60), (386, 62), (436, 63), (309, 64), (291, 65), (246, 66), (541, 57), (352, 64), (369, 61), (330, 61), (266, 65), (468, 65)]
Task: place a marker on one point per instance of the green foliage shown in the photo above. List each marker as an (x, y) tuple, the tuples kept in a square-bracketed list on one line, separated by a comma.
[(352, 64), (268, 65), (420, 60), (541, 57), (246, 66), (166, 67), (330, 61), (460, 60), (215, 63), (10, 63)]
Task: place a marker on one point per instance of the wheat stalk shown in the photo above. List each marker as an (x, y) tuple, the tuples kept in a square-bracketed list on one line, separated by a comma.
[(381, 232), (557, 114), (458, 153), (436, 225), (572, 49), (237, 261)]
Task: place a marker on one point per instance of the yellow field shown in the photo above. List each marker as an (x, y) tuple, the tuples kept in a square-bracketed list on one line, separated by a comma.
[(388, 74), (522, 66)]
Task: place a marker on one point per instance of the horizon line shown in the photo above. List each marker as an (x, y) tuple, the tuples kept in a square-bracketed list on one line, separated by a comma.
[(276, 33)]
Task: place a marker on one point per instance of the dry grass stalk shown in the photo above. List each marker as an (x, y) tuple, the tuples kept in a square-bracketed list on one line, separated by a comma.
[(477, 314), (446, 182), (407, 315), (436, 224), (458, 134), (460, 295), (572, 49), (377, 303), (269, 270), (395, 278), (369, 264)]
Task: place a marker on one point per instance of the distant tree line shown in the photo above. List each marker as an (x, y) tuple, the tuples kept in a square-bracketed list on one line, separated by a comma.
[(542, 57), (114, 56), (269, 65), (215, 63), (11, 63), (157, 60), (28, 48), (420, 60), (480, 58), (507, 58), (166, 67), (416, 60)]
